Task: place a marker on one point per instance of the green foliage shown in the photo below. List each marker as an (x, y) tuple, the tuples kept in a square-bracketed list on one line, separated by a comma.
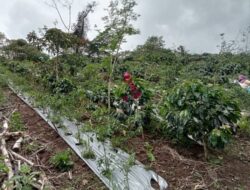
[(56, 40), (149, 152), (220, 137), (240, 95), (31, 147), (244, 125), (89, 154), (16, 122), (195, 109), (100, 95), (63, 86), (73, 63), (127, 167), (20, 50), (62, 160), (153, 52), (2, 97), (3, 167), (25, 178)]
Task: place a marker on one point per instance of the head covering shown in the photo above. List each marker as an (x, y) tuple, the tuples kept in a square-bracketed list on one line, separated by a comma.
[(127, 77), (242, 78)]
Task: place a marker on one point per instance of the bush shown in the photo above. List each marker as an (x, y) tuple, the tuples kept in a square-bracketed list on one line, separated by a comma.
[(201, 112), (72, 63), (62, 161), (63, 86)]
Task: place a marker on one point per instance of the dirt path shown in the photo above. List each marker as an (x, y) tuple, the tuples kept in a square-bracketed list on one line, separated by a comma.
[(44, 143)]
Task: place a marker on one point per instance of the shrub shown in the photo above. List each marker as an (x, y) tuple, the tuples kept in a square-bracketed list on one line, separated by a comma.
[(62, 160), (73, 62), (63, 86), (201, 112)]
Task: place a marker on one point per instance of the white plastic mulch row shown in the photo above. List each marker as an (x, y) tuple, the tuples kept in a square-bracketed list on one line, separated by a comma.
[(134, 178)]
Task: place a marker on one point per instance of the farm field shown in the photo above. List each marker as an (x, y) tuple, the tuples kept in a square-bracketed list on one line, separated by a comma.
[(180, 116), (184, 168)]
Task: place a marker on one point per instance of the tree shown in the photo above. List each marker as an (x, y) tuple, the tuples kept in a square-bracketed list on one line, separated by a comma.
[(3, 40), (15, 49), (153, 43), (81, 27), (66, 4), (19, 49), (97, 47), (153, 51), (34, 40), (56, 42), (118, 25)]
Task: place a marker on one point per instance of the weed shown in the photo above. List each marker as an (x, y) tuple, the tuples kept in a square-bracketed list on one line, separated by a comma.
[(89, 154), (16, 123), (107, 173), (2, 97), (3, 168), (31, 147), (25, 178), (126, 169), (149, 152), (62, 160), (244, 124)]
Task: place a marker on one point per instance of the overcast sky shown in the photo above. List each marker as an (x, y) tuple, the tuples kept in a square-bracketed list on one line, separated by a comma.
[(196, 24)]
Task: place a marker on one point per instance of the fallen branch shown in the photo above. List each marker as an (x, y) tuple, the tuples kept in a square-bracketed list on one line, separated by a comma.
[(4, 108), (70, 175), (6, 156), (18, 156), (17, 144), (13, 134), (41, 149)]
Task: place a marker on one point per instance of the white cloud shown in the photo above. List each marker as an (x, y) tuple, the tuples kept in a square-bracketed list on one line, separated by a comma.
[(196, 24)]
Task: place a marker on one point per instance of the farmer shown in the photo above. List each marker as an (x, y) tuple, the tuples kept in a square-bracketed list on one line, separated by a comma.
[(244, 82)]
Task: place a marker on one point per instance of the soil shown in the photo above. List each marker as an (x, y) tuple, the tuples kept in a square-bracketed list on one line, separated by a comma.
[(184, 168), (42, 143)]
